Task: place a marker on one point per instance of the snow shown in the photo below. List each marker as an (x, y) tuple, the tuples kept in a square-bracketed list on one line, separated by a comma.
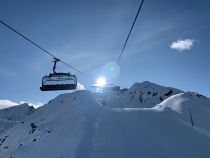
[(144, 95), (77, 125), (147, 133), (180, 105), (13, 115), (62, 125)]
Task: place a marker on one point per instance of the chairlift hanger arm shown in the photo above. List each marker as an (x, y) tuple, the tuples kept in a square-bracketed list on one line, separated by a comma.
[(55, 62)]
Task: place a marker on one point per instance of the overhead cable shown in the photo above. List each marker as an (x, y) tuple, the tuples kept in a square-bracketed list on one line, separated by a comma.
[(40, 47), (139, 9)]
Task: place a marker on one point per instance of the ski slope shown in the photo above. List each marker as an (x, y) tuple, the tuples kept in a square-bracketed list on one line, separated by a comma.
[(77, 125)]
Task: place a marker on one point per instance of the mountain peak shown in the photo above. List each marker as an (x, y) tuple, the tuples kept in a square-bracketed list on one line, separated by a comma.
[(148, 94)]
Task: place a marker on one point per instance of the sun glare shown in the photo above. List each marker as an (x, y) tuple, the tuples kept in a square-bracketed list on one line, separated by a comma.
[(101, 81)]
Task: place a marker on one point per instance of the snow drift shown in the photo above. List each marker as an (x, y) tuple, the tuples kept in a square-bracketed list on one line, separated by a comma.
[(183, 104)]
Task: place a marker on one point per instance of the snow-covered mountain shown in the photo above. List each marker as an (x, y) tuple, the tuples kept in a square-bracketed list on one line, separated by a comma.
[(13, 115), (145, 94), (78, 125), (57, 129)]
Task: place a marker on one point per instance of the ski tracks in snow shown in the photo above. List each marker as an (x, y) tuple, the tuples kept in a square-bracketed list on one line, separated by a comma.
[(97, 140)]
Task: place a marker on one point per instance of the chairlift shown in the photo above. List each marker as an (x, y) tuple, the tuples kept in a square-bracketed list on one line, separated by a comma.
[(58, 81)]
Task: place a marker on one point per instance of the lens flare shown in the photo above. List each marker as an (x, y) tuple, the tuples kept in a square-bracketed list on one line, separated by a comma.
[(101, 81), (111, 69)]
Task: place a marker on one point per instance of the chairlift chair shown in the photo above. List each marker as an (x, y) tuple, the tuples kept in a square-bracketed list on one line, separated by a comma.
[(58, 81)]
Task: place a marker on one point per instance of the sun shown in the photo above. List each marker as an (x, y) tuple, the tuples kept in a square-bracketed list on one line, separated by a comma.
[(101, 81)]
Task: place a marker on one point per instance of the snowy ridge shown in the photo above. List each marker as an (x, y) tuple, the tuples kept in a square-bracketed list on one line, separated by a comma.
[(16, 113), (13, 115), (151, 92), (145, 95)]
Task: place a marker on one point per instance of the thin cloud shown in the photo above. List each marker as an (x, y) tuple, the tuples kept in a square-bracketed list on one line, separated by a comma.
[(182, 45), (7, 104)]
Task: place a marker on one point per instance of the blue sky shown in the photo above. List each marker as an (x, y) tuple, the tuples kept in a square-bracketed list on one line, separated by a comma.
[(88, 34)]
